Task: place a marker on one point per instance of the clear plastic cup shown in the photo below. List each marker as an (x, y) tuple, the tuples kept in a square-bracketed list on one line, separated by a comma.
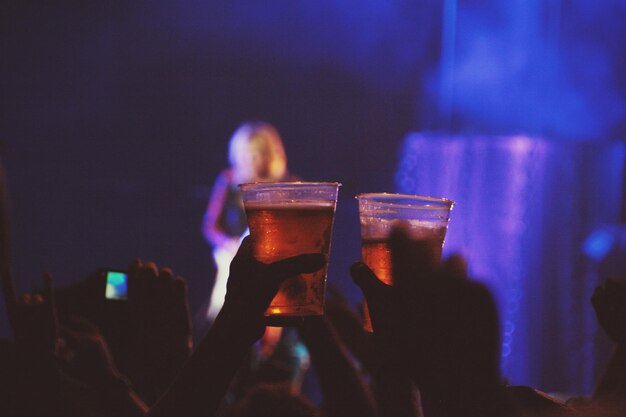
[(288, 219), (424, 218)]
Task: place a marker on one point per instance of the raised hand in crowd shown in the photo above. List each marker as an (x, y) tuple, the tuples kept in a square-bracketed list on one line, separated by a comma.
[(148, 333), (84, 355), (200, 386), (348, 325), (52, 374), (159, 329), (609, 303), (344, 389), (436, 328), (34, 320), (36, 388)]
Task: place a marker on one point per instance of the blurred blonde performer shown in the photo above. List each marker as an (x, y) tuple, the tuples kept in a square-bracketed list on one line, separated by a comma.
[(256, 153)]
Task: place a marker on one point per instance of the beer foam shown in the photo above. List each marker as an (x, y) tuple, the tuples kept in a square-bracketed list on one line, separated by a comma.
[(289, 204)]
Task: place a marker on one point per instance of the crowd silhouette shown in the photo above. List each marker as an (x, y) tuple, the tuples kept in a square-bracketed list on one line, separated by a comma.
[(434, 350)]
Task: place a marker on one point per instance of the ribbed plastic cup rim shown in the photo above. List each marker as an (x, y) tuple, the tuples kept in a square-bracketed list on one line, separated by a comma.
[(386, 198)]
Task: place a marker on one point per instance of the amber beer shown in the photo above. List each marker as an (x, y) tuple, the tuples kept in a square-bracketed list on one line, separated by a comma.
[(377, 254), (282, 227), (424, 218)]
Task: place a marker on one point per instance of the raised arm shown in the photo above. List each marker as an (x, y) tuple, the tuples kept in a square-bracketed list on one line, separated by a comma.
[(200, 386), (345, 392), (438, 328), (609, 302)]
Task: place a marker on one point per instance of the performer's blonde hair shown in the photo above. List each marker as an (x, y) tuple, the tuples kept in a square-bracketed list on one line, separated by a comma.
[(266, 138)]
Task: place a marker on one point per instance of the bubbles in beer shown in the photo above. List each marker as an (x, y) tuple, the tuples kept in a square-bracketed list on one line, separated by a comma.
[(283, 229)]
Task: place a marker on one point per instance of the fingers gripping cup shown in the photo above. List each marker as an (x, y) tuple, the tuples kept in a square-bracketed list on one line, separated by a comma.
[(288, 219), (424, 218)]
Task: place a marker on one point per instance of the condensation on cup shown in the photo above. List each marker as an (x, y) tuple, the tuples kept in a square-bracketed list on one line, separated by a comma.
[(288, 219), (424, 218)]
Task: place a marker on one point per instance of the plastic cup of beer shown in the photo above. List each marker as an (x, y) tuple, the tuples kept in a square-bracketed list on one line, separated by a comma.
[(424, 218), (288, 219)]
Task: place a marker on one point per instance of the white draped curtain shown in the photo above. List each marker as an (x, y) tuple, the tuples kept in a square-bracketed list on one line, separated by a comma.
[(524, 207)]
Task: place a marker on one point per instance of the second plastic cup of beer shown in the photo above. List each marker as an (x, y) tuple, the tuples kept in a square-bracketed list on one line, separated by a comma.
[(288, 219), (425, 219)]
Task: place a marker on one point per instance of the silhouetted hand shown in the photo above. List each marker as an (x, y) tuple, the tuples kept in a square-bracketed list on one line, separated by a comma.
[(85, 355), (34, 319), (349, 326), (149, 333), (253, 284), (36, 387), (200, 386), (342, 384), (434, 324), (159, 327), (609, 303)]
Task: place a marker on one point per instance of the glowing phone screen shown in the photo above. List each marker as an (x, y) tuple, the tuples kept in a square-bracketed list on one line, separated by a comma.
[(117, 288)]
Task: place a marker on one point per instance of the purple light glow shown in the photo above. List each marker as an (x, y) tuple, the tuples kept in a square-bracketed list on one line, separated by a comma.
[(523, 208)]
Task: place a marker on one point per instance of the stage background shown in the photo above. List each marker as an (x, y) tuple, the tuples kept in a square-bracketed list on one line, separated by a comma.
[(524, 209), (115, 118)]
